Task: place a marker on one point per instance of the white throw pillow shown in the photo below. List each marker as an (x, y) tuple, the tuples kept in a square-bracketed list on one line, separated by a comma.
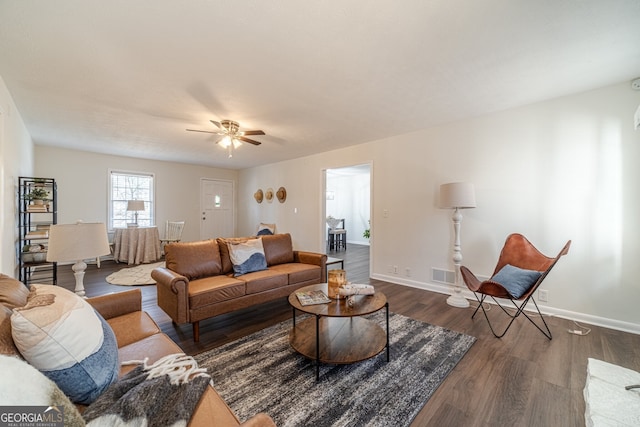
[(247, 256), (266, 229)]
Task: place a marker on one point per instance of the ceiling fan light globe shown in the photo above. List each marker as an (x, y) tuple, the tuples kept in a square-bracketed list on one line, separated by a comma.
[(225, 142)]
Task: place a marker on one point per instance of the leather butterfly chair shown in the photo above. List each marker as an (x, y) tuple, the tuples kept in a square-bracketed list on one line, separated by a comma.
[(519, 284)]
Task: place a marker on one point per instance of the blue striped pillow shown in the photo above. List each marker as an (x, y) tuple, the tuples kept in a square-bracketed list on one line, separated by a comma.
[(61, 335)]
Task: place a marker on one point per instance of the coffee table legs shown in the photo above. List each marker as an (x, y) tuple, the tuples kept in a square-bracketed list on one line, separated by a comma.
[(387, 308), (313, 351), (317, 347)]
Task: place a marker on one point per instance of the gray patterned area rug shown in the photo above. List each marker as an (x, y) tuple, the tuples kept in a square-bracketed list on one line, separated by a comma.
[(262, 373)]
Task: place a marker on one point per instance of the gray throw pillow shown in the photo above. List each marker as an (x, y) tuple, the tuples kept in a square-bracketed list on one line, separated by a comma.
[(516, 281)]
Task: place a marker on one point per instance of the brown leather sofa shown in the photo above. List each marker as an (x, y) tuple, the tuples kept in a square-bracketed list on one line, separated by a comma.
[(197, 282), (138, 337)]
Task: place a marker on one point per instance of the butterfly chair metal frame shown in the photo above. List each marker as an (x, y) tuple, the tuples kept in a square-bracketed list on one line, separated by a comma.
[(518, 252)]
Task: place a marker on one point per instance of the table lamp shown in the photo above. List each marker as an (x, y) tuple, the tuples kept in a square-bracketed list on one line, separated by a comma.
[(77, 242), (457, 195), (135, 206)]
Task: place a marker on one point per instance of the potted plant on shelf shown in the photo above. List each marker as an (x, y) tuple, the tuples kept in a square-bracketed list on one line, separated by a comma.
[(367, 232), (38, 195)]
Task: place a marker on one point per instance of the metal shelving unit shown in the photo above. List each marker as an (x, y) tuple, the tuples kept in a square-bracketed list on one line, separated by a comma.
[(37, 210)]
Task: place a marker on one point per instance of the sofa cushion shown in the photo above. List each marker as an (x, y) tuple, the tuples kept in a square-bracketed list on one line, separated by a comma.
[(247, 257), (132, 327), (264, 280), (12, 292), (298, 272), (194, 259), (6, 340), (211, 290), (278, 249), (24, 385), (153, 347), (66, 339)]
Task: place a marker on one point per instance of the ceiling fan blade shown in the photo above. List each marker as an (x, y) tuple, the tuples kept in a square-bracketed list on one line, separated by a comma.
[(252, 132), (250, 141), (217, 124), (203, 131)]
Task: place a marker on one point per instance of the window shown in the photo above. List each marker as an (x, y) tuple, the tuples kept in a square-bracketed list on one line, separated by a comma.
[(125, 186)]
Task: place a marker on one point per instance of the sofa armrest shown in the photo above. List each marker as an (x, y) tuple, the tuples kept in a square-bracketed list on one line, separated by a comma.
[(173, 293), (313, 258), (259, 420), (117, 304)]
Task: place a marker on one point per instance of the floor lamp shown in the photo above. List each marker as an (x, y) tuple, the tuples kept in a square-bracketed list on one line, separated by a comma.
[(456, 196), (77, 242)]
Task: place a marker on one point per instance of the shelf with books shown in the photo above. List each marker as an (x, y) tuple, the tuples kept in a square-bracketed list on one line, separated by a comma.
[(37, 211)]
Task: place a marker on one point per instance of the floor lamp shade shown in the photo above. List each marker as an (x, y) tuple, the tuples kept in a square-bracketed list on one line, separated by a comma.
[(456, 196), (77, 242), (460, 195)]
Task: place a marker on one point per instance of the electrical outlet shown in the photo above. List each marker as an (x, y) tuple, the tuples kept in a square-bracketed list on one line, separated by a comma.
[(395, 269), (543, 295), (407, 272)]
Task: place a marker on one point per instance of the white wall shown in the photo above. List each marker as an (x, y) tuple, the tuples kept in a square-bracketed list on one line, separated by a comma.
[(82, 180), (16, 159), (557, 170)]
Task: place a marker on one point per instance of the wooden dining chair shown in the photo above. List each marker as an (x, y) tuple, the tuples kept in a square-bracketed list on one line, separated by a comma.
[(520, 270), (172, 233)]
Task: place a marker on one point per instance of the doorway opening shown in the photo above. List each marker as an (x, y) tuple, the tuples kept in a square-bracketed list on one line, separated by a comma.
[(348, 199)]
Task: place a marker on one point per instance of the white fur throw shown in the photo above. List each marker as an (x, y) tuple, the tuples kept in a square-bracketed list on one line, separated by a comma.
[(24, 385)]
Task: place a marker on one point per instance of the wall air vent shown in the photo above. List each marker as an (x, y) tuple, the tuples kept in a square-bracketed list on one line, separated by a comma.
[(443, 276)]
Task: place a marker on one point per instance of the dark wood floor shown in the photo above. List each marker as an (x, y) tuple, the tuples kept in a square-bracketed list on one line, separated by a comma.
[(522, 379)]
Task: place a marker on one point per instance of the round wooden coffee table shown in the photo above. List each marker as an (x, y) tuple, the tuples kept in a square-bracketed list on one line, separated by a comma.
[(337, 333)]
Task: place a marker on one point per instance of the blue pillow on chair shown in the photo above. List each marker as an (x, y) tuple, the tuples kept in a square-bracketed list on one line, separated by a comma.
[(516, 281)]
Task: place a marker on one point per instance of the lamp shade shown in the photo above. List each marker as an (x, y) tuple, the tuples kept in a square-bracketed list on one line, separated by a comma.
[(75, 242), (459, 195), (135, 205)]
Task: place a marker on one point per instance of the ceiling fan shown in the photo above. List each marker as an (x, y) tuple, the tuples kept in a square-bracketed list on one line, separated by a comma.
[(232, 135)]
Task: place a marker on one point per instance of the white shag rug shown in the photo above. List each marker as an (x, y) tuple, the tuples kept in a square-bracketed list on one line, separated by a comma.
[(138, 275)]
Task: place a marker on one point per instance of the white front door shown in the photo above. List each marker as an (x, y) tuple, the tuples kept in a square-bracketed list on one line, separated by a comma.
[(216, 201)]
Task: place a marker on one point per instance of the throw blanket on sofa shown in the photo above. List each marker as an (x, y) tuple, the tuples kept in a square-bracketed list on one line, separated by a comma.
[(162, 394)]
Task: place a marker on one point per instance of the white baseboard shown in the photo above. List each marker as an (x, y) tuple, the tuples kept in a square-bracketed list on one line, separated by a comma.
[(545, 309)]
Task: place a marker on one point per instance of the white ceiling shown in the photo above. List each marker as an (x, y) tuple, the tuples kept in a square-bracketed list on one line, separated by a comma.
[(128, 77)]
